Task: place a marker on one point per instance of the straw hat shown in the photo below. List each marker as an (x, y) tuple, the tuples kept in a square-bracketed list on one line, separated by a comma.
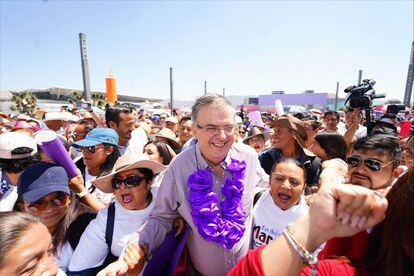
[(255, 131), (124, 163), (299, 132)]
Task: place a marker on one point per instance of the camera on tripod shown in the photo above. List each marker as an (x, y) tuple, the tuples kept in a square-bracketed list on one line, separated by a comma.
[(361, 95)]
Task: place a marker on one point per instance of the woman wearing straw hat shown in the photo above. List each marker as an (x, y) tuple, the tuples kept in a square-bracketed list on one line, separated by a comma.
[(134, 199), (256, 139)]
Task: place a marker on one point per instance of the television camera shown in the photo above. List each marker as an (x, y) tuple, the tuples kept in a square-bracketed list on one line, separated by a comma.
[(361, 95)]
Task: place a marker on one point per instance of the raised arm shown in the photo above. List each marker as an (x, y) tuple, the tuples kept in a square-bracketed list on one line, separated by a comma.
[(337, 211)]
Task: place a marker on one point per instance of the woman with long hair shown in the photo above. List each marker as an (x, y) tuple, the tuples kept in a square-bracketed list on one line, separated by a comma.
[(44, 192), (329, 145), (99, 154), (159, 152)]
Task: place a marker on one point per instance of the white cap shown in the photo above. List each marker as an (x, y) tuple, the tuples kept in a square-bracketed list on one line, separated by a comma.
[(10, 141), (238, 119), (56, 116), (172, 119)]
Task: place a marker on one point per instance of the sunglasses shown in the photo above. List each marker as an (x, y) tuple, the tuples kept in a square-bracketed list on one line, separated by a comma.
[(372, 164), (41, 204), (130, 182), (91, 149)]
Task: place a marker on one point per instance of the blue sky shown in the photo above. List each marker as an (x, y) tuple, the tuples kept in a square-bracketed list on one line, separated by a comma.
[(248, 48)]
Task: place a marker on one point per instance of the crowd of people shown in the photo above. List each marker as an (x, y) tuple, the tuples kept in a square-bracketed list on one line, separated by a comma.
[(285, 194)]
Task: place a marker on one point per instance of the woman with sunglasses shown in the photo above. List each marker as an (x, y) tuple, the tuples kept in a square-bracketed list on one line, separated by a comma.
[(99, 154), (105, 237), (44, 192)]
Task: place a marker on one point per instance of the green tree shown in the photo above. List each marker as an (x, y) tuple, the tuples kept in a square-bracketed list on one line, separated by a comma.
[(24, 103)]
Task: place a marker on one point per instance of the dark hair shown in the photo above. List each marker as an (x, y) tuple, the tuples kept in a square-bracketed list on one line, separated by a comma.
[(333, 144), (185, 119), (88, 125), (385, 144), (391, 244), (112, 113), (331, 112), (12, 227), (389, 116), (107, 167), (18, 165), (59, 236), (309, 116), (148, 174), (291, 161), (383, 129), (34, 121), (163, 151), (300, 115)]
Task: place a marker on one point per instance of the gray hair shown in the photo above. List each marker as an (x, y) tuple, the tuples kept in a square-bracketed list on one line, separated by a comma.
[(12, 227), (208, 99)]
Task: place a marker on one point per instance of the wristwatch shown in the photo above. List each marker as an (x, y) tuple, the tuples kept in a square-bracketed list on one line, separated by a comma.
[(82, 194)]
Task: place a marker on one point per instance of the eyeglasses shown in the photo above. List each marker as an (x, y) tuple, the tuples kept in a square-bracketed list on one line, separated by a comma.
[(41, 204), (214, 130), (130, 182), (372, 164), (91, 149)]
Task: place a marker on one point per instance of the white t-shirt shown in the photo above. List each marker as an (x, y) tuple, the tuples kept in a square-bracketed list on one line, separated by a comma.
[(105, 198), (269, 220), (92, 248), (8, 194), (361, 131)]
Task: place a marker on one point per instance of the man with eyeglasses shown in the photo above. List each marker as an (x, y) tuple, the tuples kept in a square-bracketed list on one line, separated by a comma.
[(211, 186), (374, 165), (374, 162)]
